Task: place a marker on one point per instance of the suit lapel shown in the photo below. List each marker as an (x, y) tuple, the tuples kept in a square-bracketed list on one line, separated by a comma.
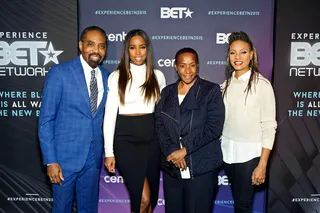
[(78, 74)]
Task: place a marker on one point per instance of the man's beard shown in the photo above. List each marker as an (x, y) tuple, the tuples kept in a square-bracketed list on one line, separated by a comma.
[(94, 64)]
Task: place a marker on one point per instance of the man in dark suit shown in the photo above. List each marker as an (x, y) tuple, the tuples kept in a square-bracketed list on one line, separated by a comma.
[(70, 124)]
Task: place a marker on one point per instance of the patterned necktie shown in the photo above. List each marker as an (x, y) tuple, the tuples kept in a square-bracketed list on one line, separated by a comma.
[(93, 92)]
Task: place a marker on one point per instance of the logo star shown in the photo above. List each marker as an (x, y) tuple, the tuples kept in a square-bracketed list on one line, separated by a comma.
[(51, 54), (188, 13)]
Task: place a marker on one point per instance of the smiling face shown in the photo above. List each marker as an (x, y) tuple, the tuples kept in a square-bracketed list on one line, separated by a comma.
[(93, 48), (137, 50), (187, 68), (240, 55)]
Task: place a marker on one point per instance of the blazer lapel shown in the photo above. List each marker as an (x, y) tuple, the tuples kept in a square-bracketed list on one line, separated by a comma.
[(78, 74)]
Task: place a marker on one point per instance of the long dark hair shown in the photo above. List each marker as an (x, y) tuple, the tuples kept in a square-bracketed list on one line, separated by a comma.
[(150, 87), (242, 36)]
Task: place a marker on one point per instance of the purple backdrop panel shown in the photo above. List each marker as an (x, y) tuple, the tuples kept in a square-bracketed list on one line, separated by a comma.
[(171, 26), (113, 193)]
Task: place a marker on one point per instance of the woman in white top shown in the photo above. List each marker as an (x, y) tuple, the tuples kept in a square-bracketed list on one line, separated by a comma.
[(129, 121), (250, 124)]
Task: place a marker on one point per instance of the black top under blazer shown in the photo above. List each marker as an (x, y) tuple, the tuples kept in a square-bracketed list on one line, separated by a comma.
[(198, 121)]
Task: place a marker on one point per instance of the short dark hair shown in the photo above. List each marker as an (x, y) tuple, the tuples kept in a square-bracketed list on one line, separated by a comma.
[(92, 28), (186, 50)]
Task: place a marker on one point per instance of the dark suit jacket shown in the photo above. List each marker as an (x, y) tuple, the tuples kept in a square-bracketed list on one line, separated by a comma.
[(66, 124), (198, 121)]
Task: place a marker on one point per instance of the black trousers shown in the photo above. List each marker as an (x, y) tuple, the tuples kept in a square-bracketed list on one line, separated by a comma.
[(239, 175), (190, 195)]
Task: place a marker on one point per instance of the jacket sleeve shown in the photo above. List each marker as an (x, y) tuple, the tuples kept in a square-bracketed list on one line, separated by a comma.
[(51, 96), (167, 146), (212, 129)]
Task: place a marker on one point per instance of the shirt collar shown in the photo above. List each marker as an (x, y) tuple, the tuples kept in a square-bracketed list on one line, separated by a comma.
[(245, 77)]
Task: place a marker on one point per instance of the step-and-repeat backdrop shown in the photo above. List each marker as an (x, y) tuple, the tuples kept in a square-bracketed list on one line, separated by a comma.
[(35, 35), (203, 25)]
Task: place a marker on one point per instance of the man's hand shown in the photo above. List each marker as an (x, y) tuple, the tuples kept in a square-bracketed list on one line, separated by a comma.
[(54, 172), (110, 164)]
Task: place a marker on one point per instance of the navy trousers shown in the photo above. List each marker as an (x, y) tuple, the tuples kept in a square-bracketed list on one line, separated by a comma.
[(190, 195), (84, 183)]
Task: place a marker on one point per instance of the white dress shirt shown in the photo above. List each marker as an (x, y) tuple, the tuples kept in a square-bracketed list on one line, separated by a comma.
[(87, 74)]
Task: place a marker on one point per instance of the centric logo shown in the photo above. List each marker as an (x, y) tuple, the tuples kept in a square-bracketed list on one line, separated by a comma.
[(116, 36), (113, 179), (166, 62), (161, 202)]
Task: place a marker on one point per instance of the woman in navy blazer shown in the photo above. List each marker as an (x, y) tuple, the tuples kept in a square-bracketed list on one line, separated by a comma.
[(189, 122)]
